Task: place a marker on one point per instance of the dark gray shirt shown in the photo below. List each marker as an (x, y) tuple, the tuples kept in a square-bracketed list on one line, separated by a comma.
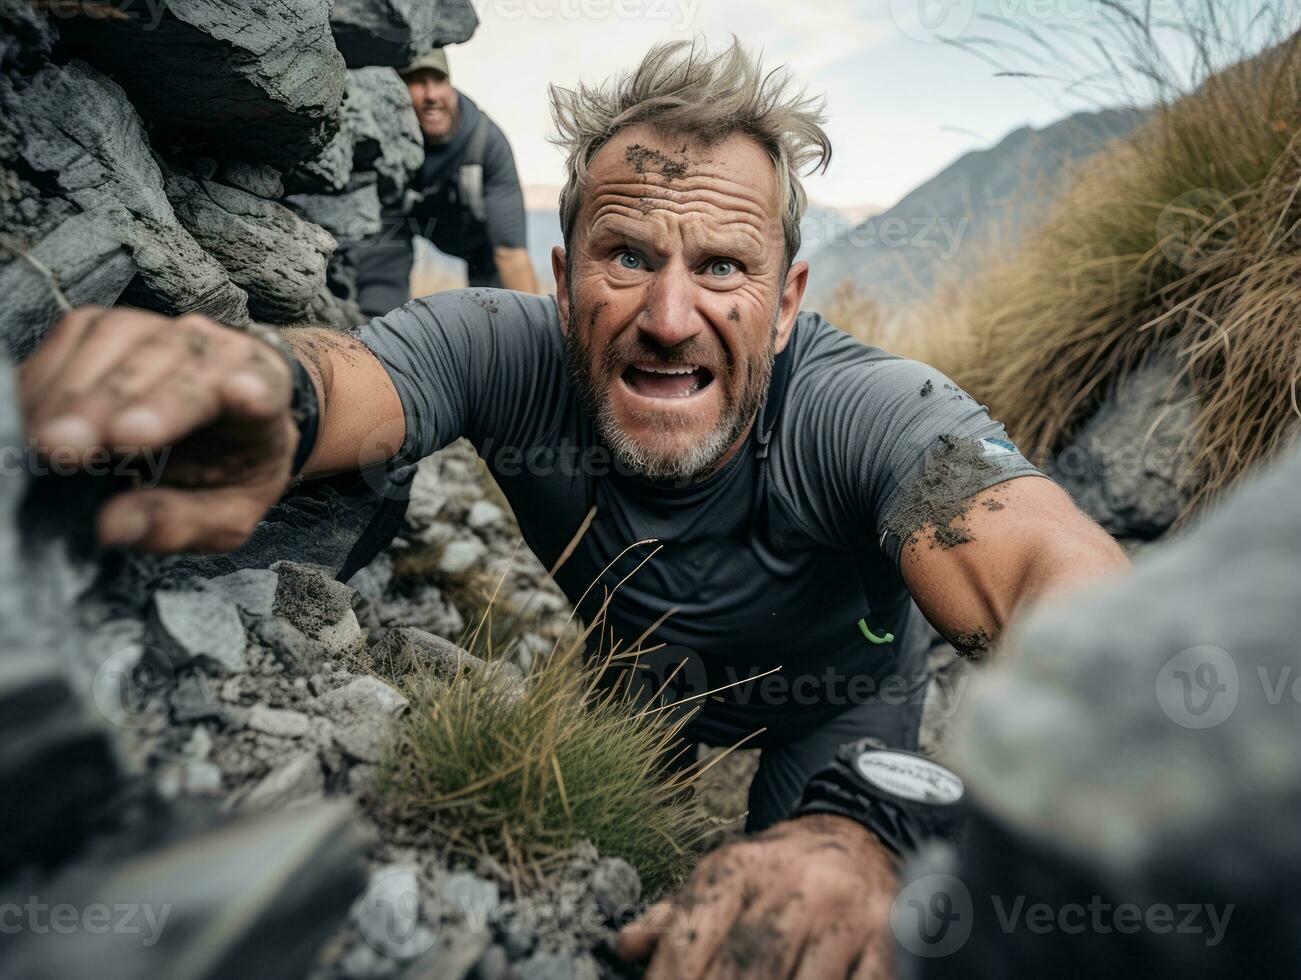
[(773, 560)]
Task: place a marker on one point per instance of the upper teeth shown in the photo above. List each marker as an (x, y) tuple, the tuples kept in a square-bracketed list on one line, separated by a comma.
[(667, 369)]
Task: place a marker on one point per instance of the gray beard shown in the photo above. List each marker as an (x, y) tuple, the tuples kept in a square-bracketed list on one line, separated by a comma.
[(739, 409)]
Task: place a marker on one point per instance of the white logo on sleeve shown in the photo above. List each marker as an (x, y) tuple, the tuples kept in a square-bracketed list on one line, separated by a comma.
[(910, 777)]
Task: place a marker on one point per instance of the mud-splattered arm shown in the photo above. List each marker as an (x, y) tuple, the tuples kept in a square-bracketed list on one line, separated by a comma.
[(997, 552), (361, 414)]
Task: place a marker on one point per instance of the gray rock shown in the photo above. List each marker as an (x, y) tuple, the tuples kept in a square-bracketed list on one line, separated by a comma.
[(405, 648), (202, 778), (255, 178), (278, 721), (348, 216), (365, 698), (469, 898), (493, 965), (26, 37), (83, 255), (361, 962), (558, 966), (460, 556), (616, 886), (252, 589), (398, 31), (298, 779), (241, 81), (275, 256), (455, 957), (378, 134), (289, 645), (484, 514), (371, 581), (198, 628), (388, 913), (364, 742), (1130, 466), (318, 606), (77, 127), (1143, 732), (195, 699)]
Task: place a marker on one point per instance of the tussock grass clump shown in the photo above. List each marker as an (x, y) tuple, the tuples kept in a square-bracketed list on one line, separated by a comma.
[(1183, 238), (521, 778)]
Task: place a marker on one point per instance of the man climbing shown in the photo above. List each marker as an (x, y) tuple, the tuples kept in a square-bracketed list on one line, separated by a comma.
[(812, 498), (465, 199)]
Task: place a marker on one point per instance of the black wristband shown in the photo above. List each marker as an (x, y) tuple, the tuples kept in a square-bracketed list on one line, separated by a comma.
[(306, 409), (901, 797)]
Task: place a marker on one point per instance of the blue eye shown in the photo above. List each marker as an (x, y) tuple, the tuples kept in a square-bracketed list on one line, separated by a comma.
[(722, 267), (630, 260)]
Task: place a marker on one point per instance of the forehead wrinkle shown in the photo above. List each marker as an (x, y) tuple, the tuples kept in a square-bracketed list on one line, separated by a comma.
[(696, 224)]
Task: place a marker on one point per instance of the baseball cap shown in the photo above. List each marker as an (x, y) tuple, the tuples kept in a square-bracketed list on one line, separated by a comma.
[(435, 59)]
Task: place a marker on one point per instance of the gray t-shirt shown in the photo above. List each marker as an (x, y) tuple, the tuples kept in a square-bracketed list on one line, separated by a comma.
[(787, 557)]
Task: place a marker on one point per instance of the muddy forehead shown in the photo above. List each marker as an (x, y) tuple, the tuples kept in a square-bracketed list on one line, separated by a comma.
[(718, 197)]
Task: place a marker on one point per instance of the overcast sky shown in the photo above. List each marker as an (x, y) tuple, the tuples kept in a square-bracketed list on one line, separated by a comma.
[(901, 105)]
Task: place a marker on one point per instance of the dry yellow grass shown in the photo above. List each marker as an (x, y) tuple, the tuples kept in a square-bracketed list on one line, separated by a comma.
[(1185, 237)]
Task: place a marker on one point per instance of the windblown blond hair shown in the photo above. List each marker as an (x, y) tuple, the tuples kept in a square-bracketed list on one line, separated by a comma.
[(682, 88)]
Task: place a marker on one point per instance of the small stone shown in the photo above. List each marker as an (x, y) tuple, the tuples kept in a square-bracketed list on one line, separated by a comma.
[(460, 556), (470, 898), (278, 721), (364, 697), (493, 965), (195, 699), (257, 179), (484, 514), (288, 644), (298, 779), (558, 966), (199, 627), (202, 778), (363, 963), (199, 745), (318, 606), (365, 742), (169, 783), (405, 648), (388, 913), (252, 589), (616, 886), (519, 940)]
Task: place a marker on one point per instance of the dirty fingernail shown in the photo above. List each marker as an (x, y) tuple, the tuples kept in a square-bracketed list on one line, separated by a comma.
[(67, 430), (139, 424)]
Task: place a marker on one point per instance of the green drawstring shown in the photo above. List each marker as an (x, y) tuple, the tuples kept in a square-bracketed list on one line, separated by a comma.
[(872, 637)]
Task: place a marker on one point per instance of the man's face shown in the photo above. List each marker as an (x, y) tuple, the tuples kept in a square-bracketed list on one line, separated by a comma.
[(674, 300), (435, 103)]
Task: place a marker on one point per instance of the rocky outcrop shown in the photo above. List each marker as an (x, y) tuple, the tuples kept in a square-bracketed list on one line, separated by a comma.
[(1137, 745), (234, 81), (76, 149), (146, 151), (1129, 466), (396, 32)]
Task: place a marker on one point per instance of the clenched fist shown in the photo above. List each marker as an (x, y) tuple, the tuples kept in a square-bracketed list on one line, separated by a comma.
[(808, 899), (210, 401)]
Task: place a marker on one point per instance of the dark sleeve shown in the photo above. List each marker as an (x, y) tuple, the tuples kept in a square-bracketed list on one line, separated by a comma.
[(502, 198), (888, 445), (486, 364)]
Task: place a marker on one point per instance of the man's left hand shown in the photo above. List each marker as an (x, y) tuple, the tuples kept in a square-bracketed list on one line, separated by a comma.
[(809, 898)]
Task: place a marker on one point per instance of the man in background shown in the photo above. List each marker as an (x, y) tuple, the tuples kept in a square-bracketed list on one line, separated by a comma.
[(465, 199)]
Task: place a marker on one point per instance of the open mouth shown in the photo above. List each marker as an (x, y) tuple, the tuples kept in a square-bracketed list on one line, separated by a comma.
[(667, 380)]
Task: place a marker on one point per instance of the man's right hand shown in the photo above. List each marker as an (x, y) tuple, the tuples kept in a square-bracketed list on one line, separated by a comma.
[(214, 400)]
